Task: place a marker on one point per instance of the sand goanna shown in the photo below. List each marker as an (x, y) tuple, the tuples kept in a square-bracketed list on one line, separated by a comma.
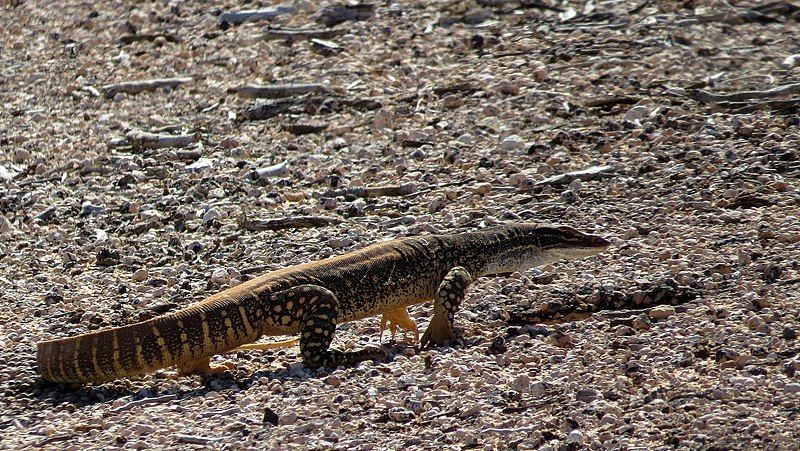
[(312, 298)]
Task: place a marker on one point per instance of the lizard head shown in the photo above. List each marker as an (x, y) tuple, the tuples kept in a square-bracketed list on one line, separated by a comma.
[(526, 246)]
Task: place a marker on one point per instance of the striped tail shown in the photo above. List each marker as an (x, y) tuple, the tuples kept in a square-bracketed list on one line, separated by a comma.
[(199, 331)]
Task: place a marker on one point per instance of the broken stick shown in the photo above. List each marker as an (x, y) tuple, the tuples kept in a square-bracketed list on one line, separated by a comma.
[(144, 140), (291, 35), (370, 192), (590, 173), (237, 17), (303, 222), (780, 91), (135, 87), (279, 91)]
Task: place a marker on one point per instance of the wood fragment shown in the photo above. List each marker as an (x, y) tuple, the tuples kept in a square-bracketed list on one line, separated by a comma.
[(371, 192), (196, 439), (238, 17), (55, 438), (280, 91), (135, 87), (305, 105), (303, 222), (324, 47), (149, 37), (612, 101), (588, 174), (305, 128), (145, 402), (143, 140), (780, 91), (294, 34), (335, 14)]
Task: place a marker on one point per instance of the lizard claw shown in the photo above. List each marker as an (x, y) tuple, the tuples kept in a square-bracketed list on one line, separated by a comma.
[(438, 333)]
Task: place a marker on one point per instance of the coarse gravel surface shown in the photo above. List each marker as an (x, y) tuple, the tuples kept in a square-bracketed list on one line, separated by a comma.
[(682, 335)]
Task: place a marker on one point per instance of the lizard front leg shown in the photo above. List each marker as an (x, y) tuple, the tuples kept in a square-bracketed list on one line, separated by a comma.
[(451, 292), (317, 309)]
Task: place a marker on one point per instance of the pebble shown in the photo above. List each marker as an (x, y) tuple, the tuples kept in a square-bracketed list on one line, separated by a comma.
[(662, 312), (512, 143), (89, 209), (140, 275), (21, 155), (575, 436), (452, 102), (466, 138), (212, 214), (401, 414), (288, 418), (482, 189), (220, 276), (792, 388), (437, 203), (521, 383)]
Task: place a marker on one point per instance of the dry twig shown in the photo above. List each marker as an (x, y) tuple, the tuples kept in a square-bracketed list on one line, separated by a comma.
[(280, 91), (135, 87), (304, 222), (291, 35), (144, 140), (237, 17), (370, 192)]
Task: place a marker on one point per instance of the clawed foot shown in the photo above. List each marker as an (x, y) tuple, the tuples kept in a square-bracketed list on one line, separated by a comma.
[(439, 333), (399, 319), (204, 367)]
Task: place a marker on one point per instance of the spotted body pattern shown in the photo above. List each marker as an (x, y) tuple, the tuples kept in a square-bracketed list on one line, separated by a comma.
[(311, 299)]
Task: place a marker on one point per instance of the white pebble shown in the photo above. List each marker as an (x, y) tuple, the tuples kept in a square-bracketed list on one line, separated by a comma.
[(512, 142), (220, 276)]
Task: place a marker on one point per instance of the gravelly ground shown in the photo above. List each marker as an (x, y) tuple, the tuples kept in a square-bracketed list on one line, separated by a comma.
[(474, 107)]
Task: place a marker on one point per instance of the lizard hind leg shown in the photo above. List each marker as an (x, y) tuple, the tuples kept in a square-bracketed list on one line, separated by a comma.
[(320, 313), (451, 292), (399, 319), (204, 367)]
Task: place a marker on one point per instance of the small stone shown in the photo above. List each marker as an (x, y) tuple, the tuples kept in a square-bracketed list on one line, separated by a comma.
[(789, 333), (452, 102), (587, 395), (220, 276), (212, 214), (662, 312), (792, 388), (521, 383), (482, 189), (437, 203), (575, 436), (641, 322), (466, 138), (21, 155), (512, 143), (88, 209), (570, 197), (631, 233), (287, 419), (270, 417), (401, 414), (140, 275), (333, 380)]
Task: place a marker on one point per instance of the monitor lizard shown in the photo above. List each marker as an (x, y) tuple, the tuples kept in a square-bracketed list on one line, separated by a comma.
[(311, 299)]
